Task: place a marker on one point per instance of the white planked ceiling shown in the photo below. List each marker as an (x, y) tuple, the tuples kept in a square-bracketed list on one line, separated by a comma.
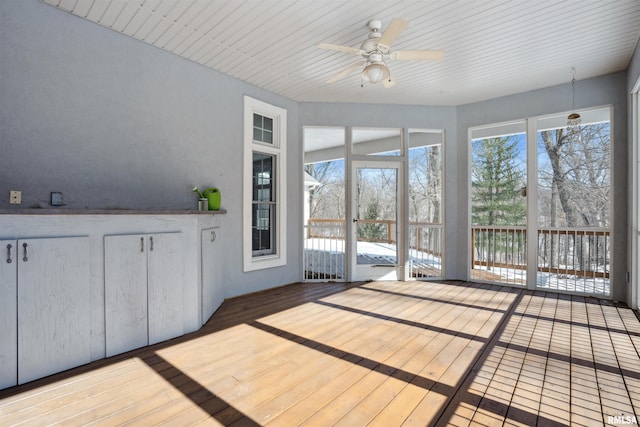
[(492, 48)]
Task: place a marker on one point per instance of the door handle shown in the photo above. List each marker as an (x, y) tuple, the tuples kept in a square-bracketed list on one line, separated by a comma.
[(25, 258), (9, 253), (354, 220)]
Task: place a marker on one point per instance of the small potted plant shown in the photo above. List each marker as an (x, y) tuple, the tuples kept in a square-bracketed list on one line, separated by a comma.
[(203, 202)]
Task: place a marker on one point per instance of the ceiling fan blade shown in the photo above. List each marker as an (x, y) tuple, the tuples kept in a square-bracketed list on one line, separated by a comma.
[(417, 55), (395, 28), (342, 74), (390, 82), (339, 48)]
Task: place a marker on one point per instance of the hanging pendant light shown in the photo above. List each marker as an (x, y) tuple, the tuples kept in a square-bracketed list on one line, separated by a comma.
[(573, 119)]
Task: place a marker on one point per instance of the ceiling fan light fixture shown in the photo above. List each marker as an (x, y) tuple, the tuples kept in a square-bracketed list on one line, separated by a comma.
[(375, 72)]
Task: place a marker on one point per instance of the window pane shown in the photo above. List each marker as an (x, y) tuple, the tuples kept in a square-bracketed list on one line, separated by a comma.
[(262, 129), (263, 211), (574, 203), (257, 134), (267, 136), (425, 184), (574, 177), (262, 228), (498, 180), (267, 123), (377, 142), (425, 193), (263, 177)]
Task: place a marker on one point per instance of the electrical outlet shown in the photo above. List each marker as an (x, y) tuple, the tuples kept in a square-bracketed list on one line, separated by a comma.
[(15, 197)]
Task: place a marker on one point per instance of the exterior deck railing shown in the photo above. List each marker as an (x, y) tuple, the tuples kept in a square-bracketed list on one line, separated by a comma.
[(568, 259), (571, 259), (324, 246), (324, 250)]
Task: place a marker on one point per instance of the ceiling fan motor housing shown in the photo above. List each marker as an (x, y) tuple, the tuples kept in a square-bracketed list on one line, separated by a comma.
[(375, 25), (370, 46)]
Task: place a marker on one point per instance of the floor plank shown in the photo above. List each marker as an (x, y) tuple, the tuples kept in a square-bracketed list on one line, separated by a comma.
[(377, 353)]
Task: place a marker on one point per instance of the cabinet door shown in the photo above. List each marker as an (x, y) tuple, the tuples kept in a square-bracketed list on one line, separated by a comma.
[(165, 285), (212, 267), (53, 306), (8, 314), (125, 287)]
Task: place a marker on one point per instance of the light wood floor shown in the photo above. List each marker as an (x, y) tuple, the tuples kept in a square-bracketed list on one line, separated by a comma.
[(381, 353)]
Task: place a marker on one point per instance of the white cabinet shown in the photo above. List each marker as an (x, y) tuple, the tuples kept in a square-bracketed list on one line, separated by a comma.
[(45, 307), (143, 290), (165, 281), (212, 271), (125, 272), (8, 314)]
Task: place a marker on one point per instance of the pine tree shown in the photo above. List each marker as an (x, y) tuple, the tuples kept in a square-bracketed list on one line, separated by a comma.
[(497, 189), (371, 231), (497, 182)]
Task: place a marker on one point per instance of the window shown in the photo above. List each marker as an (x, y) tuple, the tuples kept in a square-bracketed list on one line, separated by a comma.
[(264, 215), (262, 128), (498, 190), (541, 200)]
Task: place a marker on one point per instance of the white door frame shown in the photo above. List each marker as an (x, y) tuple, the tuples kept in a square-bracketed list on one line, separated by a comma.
[(375, 272)]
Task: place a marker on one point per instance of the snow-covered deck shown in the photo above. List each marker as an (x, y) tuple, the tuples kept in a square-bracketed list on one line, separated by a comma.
[(324, 259)]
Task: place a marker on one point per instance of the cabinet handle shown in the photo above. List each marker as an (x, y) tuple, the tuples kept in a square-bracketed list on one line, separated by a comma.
[(142, 244), (25, 258), (151, 243), (9, 253), (213, 235)]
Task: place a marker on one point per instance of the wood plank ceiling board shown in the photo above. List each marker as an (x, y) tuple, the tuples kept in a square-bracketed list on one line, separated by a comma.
[(492, 48)]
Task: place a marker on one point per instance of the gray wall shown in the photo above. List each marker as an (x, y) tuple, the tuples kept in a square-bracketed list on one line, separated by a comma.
[(115, 123)]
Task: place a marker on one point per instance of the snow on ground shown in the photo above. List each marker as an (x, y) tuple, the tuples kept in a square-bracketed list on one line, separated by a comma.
[(325, 259)]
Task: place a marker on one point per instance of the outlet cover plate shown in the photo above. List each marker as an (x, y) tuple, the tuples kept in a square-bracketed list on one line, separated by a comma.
[(15, 197), (56, 198)]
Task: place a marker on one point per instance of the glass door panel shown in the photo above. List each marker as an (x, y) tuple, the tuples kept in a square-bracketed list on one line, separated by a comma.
[(375, 222)]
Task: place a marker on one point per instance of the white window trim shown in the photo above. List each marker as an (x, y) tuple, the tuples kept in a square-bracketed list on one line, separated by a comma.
[(278, 149)]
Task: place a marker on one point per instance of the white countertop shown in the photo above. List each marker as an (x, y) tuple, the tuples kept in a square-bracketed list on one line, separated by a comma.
[(77, 211)]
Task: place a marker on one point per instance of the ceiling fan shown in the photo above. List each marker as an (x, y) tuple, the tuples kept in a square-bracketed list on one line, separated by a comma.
[(377, 49)]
